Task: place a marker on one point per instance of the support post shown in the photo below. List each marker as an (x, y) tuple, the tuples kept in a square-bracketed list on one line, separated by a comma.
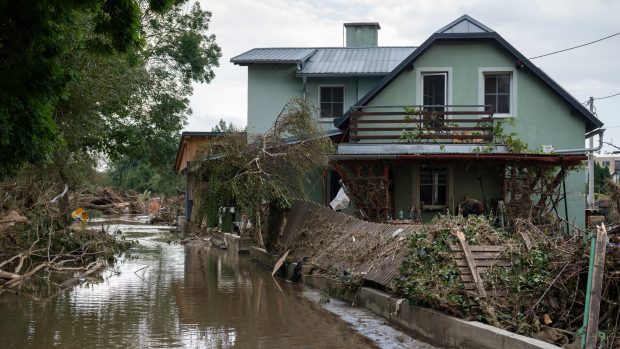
[(591, 164), (594, 303)]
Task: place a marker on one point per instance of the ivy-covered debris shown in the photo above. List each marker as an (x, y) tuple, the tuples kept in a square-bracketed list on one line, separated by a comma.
[(541, 290)]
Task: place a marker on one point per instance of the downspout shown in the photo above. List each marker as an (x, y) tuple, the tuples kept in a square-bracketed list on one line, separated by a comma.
[(590, 151), (590, 134), (303, 79)]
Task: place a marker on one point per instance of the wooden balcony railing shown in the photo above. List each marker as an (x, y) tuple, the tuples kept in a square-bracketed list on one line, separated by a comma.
[(422, 124)]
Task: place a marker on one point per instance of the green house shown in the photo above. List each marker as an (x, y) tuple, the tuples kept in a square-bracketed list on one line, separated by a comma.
[(422, 129)]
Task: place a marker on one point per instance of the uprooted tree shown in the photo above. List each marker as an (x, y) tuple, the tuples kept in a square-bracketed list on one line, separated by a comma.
[(261, 177)]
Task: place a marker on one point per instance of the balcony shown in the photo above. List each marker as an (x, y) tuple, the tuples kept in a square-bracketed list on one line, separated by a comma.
[(422, 124)]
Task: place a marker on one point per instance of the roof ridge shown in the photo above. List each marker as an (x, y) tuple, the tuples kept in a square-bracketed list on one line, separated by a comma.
[(327, 47)]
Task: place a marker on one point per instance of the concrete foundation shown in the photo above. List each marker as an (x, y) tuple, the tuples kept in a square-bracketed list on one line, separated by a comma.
[(436, 328)]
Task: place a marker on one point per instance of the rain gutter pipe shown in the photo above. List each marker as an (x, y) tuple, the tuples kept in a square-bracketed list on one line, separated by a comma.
[(598, 131)]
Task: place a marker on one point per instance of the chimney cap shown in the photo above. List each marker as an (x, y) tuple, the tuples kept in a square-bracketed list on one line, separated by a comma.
[(363, 24)]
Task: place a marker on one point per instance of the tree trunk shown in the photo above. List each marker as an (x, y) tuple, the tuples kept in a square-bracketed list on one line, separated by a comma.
[(258, 230)]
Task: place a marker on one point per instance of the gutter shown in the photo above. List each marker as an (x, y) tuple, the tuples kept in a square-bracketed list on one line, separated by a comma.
[(598, 131)]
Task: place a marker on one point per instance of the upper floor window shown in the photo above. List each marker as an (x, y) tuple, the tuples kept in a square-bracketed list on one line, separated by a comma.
[(497, 90), (606, 163), (331, 100)]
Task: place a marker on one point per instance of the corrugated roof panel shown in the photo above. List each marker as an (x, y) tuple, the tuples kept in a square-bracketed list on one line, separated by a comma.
[(331, 61), (367, 60), (262, 55)]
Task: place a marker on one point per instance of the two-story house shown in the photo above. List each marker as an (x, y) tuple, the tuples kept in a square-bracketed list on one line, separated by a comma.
[(426, 127)]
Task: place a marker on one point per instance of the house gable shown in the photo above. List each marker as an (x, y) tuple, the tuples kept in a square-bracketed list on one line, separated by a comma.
[(466, 30)]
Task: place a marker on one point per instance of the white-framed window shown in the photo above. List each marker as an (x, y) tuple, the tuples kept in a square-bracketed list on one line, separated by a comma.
[(433, 187), (331, 101), (498, 89)]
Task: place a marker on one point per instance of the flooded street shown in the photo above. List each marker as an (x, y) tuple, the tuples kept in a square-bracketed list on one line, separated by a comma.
[(166, 295)]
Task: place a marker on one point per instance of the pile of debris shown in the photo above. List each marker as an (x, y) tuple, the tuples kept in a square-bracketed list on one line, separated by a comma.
[(535, 281), (111, 201), (114, 201)]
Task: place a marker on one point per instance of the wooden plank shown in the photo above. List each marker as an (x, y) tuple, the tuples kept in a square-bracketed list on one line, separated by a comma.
[(422, 112), (417, 121), (444, 128), (483, 262), (481, 270), (480, 248), (470, 263), (597, 286), (478, 255), (429, 136)]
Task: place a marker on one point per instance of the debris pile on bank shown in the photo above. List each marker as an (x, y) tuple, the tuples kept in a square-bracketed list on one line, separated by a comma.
[(537, 287), (37, 244), (113, 201)]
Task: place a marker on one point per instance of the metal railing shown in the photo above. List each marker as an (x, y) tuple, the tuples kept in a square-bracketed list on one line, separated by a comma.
[(422, 124)]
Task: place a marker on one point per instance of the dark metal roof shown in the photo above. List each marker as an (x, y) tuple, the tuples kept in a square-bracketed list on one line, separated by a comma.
[(465, 24), (292, 55), (354, 61), (521, 62), (330, 61)]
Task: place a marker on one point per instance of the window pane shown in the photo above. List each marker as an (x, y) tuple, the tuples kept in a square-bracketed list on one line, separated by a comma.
[(326, 110), (503, 104), (426, 195), (326, 94), (337, 109), (434, 89), (441, 195), (338, 94), (490, 84), (491, 100), (503, 83)]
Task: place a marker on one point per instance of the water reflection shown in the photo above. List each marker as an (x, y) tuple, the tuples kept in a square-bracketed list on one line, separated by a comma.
[(166, 295)]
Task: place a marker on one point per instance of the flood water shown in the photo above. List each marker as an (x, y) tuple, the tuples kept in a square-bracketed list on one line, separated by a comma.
[(164, 295)]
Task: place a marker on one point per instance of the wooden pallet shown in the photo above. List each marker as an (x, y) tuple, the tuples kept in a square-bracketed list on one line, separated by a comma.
[(474, 261)]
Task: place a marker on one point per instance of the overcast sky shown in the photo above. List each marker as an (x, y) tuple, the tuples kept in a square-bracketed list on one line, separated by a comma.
[(533, 27)]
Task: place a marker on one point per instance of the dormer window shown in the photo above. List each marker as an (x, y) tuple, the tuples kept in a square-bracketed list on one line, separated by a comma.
[(331, 101)]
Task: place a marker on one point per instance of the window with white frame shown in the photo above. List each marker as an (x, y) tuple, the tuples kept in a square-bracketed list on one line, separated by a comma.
[(497, 91), (331, 101), (433, 186)]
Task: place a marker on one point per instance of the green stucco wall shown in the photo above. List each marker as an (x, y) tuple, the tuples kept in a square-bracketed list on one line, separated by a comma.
[(270, 86), (541, 118)]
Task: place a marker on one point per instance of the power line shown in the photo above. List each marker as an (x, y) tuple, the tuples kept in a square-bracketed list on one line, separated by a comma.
[(614, 95), (574, 47)]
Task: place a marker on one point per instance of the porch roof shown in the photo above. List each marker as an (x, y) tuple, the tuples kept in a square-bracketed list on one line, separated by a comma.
[(550, 159)]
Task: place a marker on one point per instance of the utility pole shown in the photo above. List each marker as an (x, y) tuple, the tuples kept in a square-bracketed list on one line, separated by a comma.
[(590, 198)]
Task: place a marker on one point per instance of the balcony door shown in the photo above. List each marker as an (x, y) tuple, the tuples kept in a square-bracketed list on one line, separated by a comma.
[(435, 94)]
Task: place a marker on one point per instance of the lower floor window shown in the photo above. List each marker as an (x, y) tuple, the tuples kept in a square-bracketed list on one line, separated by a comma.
[(433, 186)]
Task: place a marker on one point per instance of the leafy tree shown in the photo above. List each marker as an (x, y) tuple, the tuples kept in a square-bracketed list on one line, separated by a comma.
[(223, 126), (601, 175), (32, 74), (263, 177)]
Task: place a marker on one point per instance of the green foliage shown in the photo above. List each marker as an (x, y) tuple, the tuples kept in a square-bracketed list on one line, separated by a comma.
[(430, 276), (223, 126), (139, 175), (601, 175), (33, 74), (271, 171)]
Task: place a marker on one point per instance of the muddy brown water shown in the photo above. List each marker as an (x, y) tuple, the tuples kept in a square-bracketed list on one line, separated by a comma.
[(166, 295)]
